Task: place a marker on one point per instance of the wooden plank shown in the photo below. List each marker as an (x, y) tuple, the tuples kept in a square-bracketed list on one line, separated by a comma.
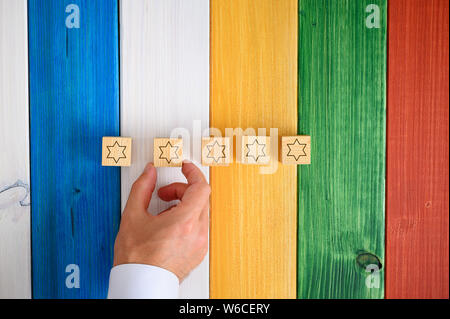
[(342, 71), (15, 255), (165, 85), (74, 101), (417, 165), (253, 85)]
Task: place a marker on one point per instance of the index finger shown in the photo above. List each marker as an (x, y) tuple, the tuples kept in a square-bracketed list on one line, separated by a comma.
[(192, 173), (196, 195)]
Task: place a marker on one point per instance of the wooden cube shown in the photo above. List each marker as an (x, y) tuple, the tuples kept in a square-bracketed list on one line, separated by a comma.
[(116, 151), (255, 150), (296, 150), (168, 152), (216, 151)]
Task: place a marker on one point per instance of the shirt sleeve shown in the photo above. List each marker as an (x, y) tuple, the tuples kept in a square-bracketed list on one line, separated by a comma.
[(136, 281)]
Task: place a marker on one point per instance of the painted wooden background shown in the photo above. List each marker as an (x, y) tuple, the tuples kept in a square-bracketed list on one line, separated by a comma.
[(15, 258), (74, 101), (165, 85), (262, 52), (253, 85), (417, 165), (341, 104)]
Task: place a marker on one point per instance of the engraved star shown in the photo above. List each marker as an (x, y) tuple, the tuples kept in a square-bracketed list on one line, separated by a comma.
[(116, 152), (296, 149), (255, 150), (169, 151), (216, 151)]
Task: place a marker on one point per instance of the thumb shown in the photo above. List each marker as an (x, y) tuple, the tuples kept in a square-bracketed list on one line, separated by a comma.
[(142, 190)]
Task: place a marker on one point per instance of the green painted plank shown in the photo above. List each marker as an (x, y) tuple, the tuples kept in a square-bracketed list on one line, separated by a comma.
[(342, 105)]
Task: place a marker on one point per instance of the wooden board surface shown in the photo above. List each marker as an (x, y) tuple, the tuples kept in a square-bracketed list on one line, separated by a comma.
[(15, 258), (253, 85), (342, 71), (417, 253), (74, 101), (165, 85)]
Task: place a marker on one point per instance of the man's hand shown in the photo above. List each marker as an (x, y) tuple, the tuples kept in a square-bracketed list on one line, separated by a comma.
[(177, 238)]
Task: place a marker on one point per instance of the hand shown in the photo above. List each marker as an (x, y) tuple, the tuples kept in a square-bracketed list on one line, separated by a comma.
[(177, 238)]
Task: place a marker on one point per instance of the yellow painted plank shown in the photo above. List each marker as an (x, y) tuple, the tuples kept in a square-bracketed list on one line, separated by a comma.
[(253, 85)]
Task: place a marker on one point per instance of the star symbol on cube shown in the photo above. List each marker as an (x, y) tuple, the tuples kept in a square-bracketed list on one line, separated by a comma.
[(255, 150), (296, 149), (169, 152), (216, 151), (116, 152)]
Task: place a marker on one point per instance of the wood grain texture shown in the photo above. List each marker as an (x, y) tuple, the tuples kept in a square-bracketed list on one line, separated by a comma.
[(168, 152), (15, 254), (253, 85), (165, 85), (74, 101), (255, 150), (342, 71), (417, 214), (216, 151), (296, 150), (116, 150)]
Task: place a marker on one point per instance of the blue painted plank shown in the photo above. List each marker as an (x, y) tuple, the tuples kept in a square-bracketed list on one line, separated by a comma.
[(74, 101)]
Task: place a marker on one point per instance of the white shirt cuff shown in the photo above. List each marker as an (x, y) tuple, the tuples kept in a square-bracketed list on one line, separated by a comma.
[(136, 281)]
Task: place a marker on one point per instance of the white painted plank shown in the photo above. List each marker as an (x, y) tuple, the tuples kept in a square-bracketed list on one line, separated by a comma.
[(15, 258), (164, 47)]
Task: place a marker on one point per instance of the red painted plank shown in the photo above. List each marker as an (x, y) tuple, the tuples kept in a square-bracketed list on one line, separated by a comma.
[(417, 211)]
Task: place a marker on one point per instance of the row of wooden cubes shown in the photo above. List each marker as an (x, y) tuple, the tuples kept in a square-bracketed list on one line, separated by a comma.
[(216, 151)]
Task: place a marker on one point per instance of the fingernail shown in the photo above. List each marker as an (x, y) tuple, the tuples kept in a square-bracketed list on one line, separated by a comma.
[(187, 161), (148, 167)]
